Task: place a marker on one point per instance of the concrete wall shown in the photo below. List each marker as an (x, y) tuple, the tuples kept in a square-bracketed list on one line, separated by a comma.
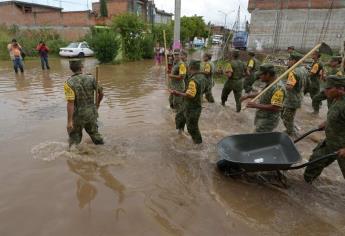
[(298, 27), (294, 4)]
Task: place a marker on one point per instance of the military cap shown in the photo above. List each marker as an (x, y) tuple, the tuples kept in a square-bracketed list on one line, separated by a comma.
[(75, 62), (337, 58), (291, 47), (194, 65), (265, 68), (335, 81), (295, 56)]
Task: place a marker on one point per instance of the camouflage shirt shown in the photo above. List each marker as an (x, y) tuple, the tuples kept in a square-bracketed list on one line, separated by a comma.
[(81, 89), (297, 80), (335, 128), (195, 90), (180, 69), (315, 70), (208, 68), (237, 67), (274, 96)]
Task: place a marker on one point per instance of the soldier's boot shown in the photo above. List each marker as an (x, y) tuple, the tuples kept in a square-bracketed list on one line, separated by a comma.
[(209, 97)]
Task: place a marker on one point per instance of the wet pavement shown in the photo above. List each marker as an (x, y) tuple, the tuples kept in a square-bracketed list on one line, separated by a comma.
[(146, 179)]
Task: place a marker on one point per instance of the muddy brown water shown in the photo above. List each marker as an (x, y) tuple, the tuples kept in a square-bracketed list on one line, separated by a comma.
[(146, 180)]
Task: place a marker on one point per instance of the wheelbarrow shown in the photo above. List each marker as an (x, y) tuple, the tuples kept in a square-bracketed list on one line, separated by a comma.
[(259, 152)]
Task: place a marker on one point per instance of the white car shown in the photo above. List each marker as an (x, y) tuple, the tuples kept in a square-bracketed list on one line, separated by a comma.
[(77, 49)]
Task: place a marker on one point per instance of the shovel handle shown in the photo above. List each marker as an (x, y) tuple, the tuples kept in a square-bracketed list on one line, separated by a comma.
[(307, 134), (313, 161)]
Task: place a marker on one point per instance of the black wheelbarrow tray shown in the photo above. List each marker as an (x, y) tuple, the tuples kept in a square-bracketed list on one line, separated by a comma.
[(261, 152)]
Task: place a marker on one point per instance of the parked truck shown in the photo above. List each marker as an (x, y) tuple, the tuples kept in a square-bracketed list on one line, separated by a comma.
[(240, 40)]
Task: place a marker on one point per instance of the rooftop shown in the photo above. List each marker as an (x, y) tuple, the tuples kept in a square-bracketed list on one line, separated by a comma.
[(30, 4)]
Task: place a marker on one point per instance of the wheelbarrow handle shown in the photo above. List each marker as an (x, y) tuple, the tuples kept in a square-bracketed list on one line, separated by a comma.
[(314, 161), (307, 134)]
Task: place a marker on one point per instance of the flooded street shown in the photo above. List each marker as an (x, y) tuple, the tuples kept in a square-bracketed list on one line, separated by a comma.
[(146, 179)]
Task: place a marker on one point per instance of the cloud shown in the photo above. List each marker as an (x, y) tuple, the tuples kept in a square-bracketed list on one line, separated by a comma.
[(209, 9)]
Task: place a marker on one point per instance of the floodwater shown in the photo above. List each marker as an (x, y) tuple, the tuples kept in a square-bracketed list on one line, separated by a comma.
[(146, 179)]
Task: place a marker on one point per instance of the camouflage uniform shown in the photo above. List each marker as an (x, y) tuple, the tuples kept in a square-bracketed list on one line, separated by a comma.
[(235, 83), (208, 68), (293, 99), (180, 69), (335, 139), (267, 121), (253, 65), (318, 98), (81, 89), (191, 111)]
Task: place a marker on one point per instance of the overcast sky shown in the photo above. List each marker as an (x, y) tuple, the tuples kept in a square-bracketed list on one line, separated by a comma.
[(207, 8), (210, 9)]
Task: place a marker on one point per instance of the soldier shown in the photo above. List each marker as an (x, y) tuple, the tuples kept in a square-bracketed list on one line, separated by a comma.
[(252, 66), (184, 57), (192, 100), (290, 49), (81, 107), (334, 70), (207, 68), (234, 72), (271, 102), (315, 77), (177, 77), (294, 93), (334, 129)]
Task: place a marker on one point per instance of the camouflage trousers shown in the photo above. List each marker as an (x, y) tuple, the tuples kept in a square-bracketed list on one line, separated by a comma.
[(288, 117), (313, 171), (91, 128), (317, 101), (263, 125), (248, 83), (208, 90), (235, 86), (189, 117)]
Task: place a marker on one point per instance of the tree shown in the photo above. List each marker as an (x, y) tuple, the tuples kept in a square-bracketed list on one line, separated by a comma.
[(103, 8), (157, 31), (131, 28), (191, 27)]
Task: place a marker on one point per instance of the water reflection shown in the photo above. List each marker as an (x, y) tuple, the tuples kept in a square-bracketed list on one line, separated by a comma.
[(91, 172)]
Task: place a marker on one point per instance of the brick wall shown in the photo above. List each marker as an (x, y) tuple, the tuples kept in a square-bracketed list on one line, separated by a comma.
[(114, 7), (293, 4), (79, 18)]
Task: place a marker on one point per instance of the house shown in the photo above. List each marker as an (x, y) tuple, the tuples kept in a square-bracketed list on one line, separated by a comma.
[(161, 17), (117, 7)]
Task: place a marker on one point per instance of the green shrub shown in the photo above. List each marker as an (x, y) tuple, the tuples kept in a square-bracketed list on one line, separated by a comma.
[(147, 47), (105, 44), (131, 28)]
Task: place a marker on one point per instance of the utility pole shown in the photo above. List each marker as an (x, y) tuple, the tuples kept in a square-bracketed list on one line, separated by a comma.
[(177, 26)]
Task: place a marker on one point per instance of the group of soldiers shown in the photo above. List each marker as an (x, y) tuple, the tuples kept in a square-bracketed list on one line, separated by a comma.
[(281, 101), (189, 82)]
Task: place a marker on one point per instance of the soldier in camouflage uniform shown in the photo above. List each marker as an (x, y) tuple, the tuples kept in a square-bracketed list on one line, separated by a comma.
[(192, 100), (294, 93), (177, 78), (334, 129), (271, 102), (81, 106), (234, 72), (253, 65), (207, 68), (333, 70), (315, 77)]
